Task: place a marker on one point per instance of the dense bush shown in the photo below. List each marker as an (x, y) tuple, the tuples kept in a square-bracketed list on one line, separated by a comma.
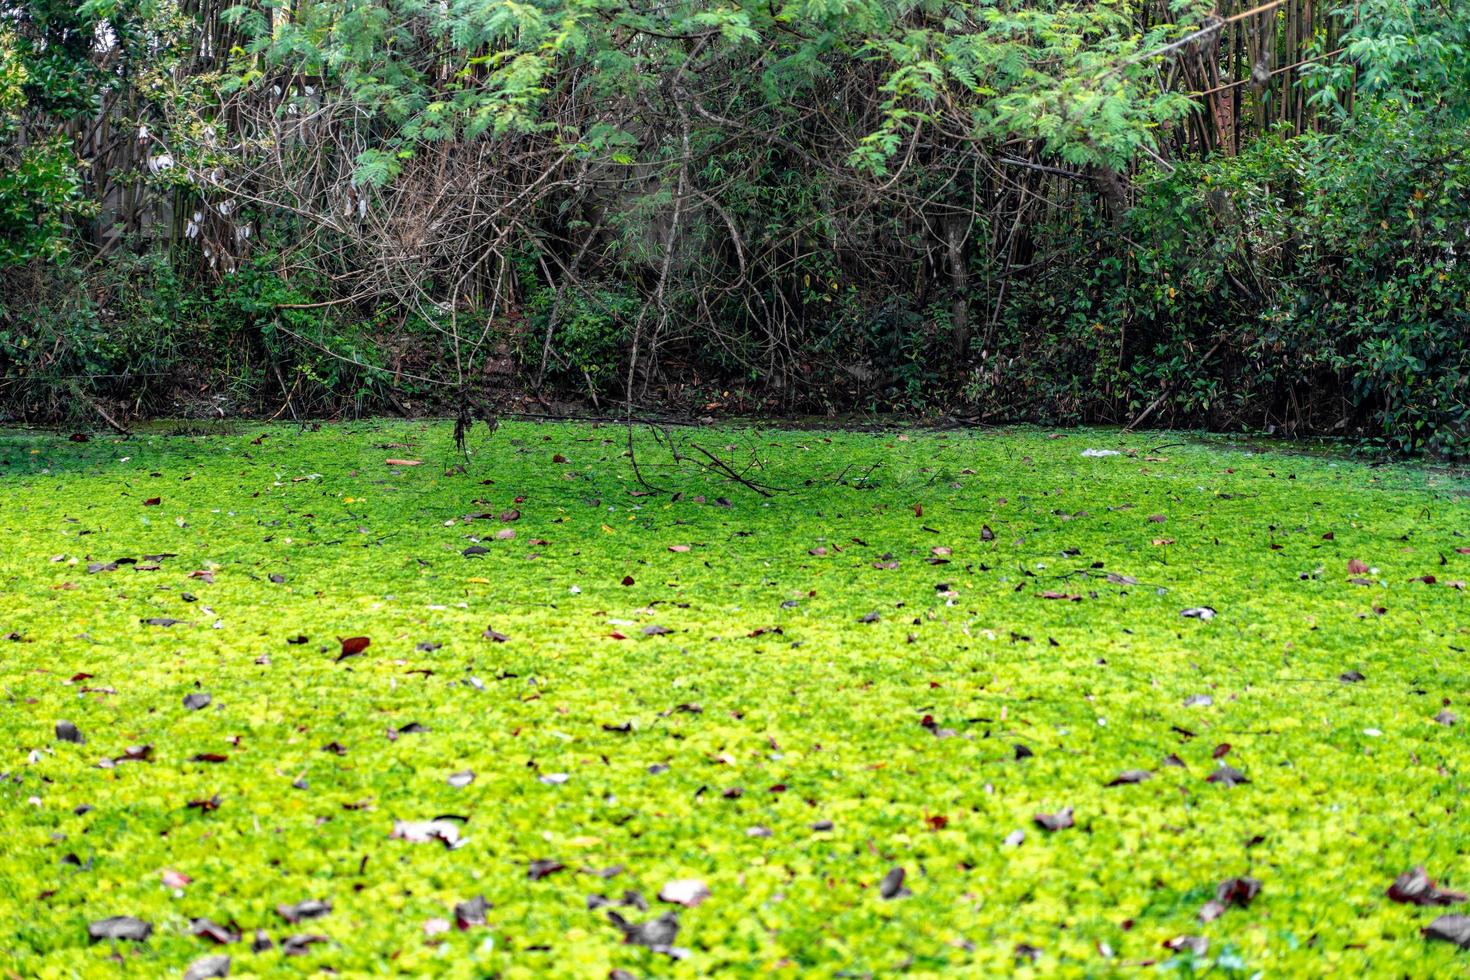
[(1020, 210)]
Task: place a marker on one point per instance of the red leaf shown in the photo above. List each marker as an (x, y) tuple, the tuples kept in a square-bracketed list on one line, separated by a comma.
[(352, 646)]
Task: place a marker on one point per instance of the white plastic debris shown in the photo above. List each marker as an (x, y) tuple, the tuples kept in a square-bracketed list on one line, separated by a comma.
[(426, 831), (687, 892)]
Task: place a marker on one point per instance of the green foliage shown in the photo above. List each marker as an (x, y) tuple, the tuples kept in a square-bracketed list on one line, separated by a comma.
[(764, 702), (40, 189), (1060, 73), (40, 195), (593, 327), (140, 326), (1409, 52)]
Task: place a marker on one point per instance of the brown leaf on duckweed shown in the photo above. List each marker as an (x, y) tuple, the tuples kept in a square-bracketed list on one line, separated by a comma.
[(152, 502), (494, 637), (1130, 776), (986, 534), (352, 646), (1450, 928), (627, 580), (1060, 820), (1416, 888), (892, 885), (309, 908), (208, 967), (214, 932), (206, 805), (1198, 945), (1227, 776), (471, 912), (403, 462), (657, 934), (1239, 892), (1356, 566), (539, 869), (301, 945), (678, 549), (120, 927)]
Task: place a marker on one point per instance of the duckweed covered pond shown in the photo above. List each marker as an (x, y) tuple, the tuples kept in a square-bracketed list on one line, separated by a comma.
[(934, 705)]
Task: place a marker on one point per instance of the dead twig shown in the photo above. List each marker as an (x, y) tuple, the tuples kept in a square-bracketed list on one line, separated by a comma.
[(721, 466)]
